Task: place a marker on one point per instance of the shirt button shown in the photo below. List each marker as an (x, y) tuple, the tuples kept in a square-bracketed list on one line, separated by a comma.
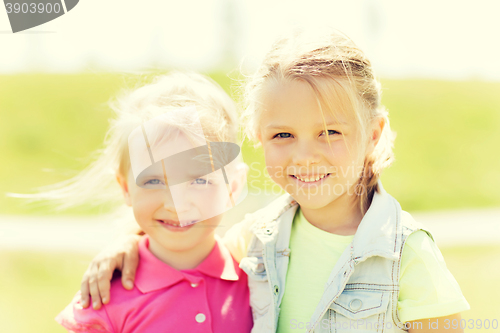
[(194, 285), (200, 317), (355, 304)]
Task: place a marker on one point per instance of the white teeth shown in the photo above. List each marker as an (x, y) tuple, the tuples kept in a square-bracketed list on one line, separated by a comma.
[(310, 179), (175, 225)]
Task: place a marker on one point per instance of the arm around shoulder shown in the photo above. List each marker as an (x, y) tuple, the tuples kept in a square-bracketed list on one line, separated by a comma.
[(122, 255), (238, 237), (75, 318)]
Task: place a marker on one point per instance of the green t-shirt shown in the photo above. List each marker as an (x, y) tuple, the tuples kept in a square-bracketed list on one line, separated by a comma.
[(314, 253), (427, 288)]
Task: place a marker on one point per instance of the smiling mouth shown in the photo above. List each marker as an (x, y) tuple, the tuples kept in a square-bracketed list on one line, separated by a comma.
[(310, 179), (172, 223)]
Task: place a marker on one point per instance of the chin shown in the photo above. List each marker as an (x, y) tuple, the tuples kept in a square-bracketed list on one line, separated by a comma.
[(180, 246), (313, 201)]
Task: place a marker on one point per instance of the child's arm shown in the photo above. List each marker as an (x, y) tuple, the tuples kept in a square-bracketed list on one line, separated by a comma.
[(75, 319), (238, 237), (448, 324), (122, 255)]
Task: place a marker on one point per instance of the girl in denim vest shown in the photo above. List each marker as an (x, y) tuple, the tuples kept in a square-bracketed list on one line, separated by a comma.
[(336, 253)]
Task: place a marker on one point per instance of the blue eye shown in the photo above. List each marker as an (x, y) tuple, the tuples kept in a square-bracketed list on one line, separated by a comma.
[(200, 181), (283, 135), (330, 132), (153, 182)]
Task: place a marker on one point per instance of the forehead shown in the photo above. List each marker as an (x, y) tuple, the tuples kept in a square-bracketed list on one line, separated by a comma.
[(296, 102), (172, 142)]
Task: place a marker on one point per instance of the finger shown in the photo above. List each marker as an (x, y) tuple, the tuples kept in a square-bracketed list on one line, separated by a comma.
[(105, 274), (94, 289), (85, 291), (130, 263)]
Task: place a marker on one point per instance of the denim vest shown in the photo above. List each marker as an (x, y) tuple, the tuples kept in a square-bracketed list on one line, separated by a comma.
[(362, 291)]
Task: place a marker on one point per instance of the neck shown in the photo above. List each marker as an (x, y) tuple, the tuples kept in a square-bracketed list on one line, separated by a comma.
[(185, 259), (342, 216)]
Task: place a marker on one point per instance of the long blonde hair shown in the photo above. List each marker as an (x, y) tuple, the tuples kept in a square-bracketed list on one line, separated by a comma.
[(96, 185), (314, 55)]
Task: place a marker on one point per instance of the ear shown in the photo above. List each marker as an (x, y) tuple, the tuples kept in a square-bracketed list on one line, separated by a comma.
[(122, 181), (259, 138), (237, 182), (376, 129)]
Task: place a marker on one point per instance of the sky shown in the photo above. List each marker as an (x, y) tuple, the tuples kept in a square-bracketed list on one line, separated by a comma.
[(446, 39)]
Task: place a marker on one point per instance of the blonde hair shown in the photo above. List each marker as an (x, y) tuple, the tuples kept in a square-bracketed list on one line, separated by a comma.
[(338, 72), (96, 184)]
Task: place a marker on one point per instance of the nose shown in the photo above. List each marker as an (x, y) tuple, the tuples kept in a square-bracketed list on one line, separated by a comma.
[(168, 201), (305, 154), (175, 199)]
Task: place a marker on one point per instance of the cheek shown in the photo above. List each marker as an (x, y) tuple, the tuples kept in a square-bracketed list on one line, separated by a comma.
[(277, 158), (208, 226), (348, 162), (213, 199), (339, 152), (144, 203)]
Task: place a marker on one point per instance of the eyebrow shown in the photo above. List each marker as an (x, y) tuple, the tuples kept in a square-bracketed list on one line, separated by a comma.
[(146, 176), (321, 124)]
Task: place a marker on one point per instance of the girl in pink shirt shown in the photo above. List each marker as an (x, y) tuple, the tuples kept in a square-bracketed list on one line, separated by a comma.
[(171, 148)]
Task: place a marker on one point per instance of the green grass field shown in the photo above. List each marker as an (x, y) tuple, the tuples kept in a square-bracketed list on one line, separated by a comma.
[(446, 149), (35, 287), (446, 157)]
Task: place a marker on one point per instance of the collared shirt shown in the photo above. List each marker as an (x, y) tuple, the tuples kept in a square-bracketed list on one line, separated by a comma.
[(213, 297)]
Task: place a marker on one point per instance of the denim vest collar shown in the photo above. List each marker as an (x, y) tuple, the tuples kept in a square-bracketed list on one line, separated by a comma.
[(376, 234), (378, 231)]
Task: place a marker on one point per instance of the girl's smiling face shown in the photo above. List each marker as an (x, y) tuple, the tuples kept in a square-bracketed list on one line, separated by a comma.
[(316, 167), (159, 208)]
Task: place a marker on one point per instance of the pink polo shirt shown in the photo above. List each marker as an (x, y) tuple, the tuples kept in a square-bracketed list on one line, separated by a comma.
[(213, 297)]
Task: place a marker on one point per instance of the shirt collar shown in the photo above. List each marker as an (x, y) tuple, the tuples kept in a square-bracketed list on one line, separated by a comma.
[(219, 263), (379, 232), (153, 274)]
